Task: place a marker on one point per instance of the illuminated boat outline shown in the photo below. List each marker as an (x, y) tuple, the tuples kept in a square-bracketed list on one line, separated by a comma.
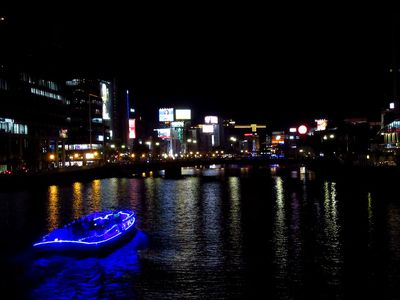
[(54, 242)]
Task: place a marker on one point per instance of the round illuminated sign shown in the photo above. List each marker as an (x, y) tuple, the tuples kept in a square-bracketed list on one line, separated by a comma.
[(302, 129)]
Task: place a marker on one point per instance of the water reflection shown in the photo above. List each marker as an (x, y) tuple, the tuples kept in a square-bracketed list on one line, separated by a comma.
[(296, 243), (151, 209), (370, 219), (111, 277), (77, 205), (53, 208), (235, 227), (188, 244), (330, 211), (211, 222), (187, 220), (280, 239), (134, 197), (331, 241), (96, 195), (115, 193)]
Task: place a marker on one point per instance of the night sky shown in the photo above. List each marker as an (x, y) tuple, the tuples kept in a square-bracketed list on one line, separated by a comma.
[(254, 64)]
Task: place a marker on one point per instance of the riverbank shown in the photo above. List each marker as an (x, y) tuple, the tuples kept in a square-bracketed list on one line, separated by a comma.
[(58, 176)]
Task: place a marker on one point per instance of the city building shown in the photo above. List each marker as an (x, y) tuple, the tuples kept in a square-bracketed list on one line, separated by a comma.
[(91, 121), (33, 115)]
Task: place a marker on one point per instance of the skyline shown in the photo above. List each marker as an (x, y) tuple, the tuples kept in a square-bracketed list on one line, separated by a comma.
[(243, 64)]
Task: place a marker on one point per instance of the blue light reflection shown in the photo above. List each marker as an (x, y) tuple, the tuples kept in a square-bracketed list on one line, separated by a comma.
[(111, 277)]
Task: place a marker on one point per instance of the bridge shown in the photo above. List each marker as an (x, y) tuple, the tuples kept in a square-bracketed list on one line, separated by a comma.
[(173, 168)]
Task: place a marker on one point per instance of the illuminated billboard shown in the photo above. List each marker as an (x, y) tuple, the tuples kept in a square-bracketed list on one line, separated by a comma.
[(106, 99), (166, 114), (278, 137), (63, 133), (211, 120), (207, 128), (164, 133), (321, 124), (132, 128), (182, 114), (177, 124)]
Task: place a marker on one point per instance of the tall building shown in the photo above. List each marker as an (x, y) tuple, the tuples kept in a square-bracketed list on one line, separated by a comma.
[(33, 112), (90, 117)]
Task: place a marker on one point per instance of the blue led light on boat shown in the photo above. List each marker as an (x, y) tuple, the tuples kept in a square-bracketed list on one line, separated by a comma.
[(106, 230)]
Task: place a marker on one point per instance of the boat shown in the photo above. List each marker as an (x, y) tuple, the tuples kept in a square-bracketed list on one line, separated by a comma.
[(91, 234)]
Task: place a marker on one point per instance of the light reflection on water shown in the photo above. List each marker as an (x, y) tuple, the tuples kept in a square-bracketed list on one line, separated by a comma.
[(296, 272), (201, 229), (280, 239), (77, 201), (212, 223), (187, 222), (111, 277), (96, 195), (235, 220), (370, 213), (331, 240), (53, 207)]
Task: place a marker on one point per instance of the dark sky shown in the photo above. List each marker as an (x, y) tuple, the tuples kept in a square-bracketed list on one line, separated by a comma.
[(255, 64)]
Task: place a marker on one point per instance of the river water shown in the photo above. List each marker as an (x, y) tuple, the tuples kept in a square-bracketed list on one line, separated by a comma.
[(213, 234)]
